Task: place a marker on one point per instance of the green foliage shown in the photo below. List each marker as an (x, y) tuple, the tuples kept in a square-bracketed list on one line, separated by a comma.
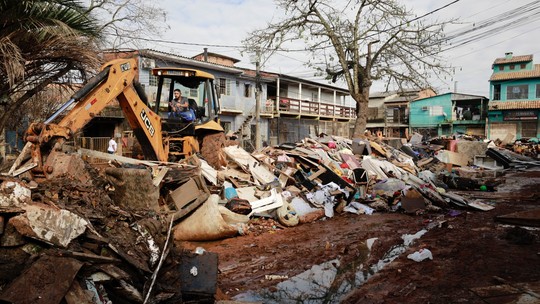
[(42, 41)]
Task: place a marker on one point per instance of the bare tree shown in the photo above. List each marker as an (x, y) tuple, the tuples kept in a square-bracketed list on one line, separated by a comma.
[(125, 23), (360, 42)]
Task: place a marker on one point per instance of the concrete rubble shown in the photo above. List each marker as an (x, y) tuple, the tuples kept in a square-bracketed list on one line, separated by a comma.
[(116, 226)]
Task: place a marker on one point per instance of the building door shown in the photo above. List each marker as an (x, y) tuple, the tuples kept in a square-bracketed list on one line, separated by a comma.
[(503, 131), (528, 129)]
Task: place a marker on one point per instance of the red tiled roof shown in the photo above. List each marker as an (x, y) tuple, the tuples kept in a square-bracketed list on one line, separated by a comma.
[(514, 105), (514, 59), (535, 72)]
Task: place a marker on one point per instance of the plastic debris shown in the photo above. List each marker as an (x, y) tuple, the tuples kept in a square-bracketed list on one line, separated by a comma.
[(420, 255)]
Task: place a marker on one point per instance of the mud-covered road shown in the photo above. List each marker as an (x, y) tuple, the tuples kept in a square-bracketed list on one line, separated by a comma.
[(329, 261)]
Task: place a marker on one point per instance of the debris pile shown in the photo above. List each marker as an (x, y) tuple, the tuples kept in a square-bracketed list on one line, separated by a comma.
[(113, 230)]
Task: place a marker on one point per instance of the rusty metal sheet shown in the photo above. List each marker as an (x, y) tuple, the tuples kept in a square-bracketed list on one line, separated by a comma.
[(45, 282)]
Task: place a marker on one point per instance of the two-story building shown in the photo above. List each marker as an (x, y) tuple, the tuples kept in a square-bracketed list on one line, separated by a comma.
[(291, 108), (449, 113), (389, 111), (514, 108), (302, 107)]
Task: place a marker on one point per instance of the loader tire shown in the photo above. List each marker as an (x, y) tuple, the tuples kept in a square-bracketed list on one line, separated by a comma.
[(212, 151)]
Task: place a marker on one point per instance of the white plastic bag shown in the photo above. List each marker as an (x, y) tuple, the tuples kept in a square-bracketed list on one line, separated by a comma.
[(421, 255)]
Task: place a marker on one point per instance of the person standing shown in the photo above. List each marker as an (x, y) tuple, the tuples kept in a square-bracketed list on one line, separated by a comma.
[(112, 146)]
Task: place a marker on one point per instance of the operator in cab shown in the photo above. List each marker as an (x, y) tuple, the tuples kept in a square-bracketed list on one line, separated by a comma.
[(180, 107)]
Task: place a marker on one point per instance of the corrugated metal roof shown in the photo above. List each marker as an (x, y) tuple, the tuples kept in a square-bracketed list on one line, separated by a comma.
[(514, 59), (513, 105), (186, 60), (534, 73)]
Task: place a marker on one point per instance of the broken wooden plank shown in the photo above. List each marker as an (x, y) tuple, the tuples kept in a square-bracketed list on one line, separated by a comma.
[(424, 161), (381, 150), (479, 205), (209, 173), (522, 218), (317, 174), (190, 207), (283, 179), (161, 172), (26, 167), (119, 158), (164, 253), (88, 256), (261, 174), (231, 172), (22, 156), (250, 164), (185, 194)]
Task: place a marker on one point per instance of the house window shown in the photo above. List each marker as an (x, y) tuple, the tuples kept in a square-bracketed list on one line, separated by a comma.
[(523, 65), (497, 92), (501, 68), (152, 80), (224, 86), (226, 125), (193, 93), (436, 111), (517, 92), (247, 90), (512, 67), (528, 129), (538, 91)]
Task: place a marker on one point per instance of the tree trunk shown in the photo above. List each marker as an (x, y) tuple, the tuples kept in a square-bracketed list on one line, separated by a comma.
[(361, 114), (3, 118)]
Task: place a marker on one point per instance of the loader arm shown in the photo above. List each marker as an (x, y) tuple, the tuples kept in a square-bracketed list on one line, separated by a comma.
[(115, 81)]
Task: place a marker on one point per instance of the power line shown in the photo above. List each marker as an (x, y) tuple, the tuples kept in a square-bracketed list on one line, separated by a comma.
[(290, 50), (189, 43)]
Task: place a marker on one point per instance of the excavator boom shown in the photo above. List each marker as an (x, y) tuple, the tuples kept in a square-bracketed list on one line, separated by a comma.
[(118, 81)]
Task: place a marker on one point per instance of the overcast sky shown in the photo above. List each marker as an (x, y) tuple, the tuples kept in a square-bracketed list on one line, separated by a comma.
[(213, 23)]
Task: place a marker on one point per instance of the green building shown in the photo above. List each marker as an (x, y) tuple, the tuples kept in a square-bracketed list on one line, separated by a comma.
[(449, 113), (515, 98)]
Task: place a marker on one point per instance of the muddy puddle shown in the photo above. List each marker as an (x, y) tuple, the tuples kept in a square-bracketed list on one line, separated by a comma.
[(328, 282)]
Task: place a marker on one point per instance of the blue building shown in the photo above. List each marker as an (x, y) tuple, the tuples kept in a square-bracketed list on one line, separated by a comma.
[(515, 98), (449, 113), (389, 111)]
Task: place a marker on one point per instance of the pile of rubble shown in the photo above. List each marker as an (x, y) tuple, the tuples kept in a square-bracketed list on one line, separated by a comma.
[(111, 231)]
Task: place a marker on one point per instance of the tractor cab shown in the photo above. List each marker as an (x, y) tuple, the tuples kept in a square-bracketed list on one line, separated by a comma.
[(197, 88)]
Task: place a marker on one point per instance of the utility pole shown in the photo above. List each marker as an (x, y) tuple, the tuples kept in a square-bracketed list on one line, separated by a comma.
[(258, 143)]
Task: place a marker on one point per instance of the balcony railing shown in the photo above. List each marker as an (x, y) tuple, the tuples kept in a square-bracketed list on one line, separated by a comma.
[(313, 108), (398, 119)]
